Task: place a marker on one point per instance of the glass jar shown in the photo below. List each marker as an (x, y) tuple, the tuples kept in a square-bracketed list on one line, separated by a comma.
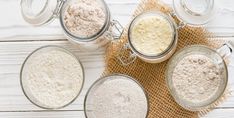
[(25, 84), (217, 56), (75, 20), (121, 92), (189, 12)]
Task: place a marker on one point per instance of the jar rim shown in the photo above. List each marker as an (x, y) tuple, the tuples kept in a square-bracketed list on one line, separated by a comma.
[(185, 15), (174, 35), (45, 14), (92, 37), (66, 51)]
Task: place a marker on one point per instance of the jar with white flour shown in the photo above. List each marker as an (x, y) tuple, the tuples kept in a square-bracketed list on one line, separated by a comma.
[(116, 96), (153, 35), (47, 81), (84, 22)]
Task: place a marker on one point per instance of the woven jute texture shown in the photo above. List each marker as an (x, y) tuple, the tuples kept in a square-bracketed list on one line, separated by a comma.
[(152, 76)]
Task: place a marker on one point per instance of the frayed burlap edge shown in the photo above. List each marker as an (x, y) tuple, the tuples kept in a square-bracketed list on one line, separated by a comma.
[(114, 66)]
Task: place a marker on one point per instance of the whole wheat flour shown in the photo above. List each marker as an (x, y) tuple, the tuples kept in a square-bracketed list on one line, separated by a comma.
[(196, 78), (85, 18)]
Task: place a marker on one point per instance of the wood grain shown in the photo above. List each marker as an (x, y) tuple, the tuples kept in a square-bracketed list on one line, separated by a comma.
[(18, 39)]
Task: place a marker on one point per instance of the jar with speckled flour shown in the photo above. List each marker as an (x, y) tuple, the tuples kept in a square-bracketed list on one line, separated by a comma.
[(197, 76), (84, 22)]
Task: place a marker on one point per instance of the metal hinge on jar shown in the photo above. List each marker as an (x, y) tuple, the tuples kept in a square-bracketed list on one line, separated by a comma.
[(58, 8)]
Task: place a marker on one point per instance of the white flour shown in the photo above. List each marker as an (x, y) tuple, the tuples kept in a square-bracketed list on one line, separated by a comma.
[(85, 18), (196, 78), (52, 78), (152, 35), (118, 97)]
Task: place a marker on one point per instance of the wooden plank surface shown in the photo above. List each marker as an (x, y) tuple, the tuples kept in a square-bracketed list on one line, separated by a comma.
[(18, 39)]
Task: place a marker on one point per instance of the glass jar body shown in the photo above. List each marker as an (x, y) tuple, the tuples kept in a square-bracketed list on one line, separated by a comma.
[(140, 51), (197, 50), (58, 8)]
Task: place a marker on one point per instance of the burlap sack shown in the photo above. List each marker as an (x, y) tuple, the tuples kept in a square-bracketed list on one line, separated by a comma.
[(152, 76)]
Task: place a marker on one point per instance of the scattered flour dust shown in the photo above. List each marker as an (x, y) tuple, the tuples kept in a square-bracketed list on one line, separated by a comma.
[(196, 78), (118, 97), (52, 78), (85, 18)]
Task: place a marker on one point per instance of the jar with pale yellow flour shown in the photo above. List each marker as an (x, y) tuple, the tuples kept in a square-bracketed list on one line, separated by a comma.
[(153, 35)]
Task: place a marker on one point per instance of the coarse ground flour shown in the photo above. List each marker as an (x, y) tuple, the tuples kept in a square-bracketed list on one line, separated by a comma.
[(152, 35), (196, 78), (117, 97), (85, 18), (52, 78)]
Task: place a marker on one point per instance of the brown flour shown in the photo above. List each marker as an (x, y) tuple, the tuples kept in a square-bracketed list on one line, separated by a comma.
[(196, 78), (84, 18)]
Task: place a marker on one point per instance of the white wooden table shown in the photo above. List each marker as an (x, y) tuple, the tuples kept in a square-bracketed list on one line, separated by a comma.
[(18, 39)]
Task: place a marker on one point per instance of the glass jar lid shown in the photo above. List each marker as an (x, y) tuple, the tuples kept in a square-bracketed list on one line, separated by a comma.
[(80, 19), (39, 12), (194, 12)]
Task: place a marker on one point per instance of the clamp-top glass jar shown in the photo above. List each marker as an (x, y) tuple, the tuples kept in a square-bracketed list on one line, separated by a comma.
[(153, 35), (85, 22), (197, 76)]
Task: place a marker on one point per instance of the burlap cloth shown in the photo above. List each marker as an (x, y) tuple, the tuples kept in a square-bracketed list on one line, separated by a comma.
[(152, 76)]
